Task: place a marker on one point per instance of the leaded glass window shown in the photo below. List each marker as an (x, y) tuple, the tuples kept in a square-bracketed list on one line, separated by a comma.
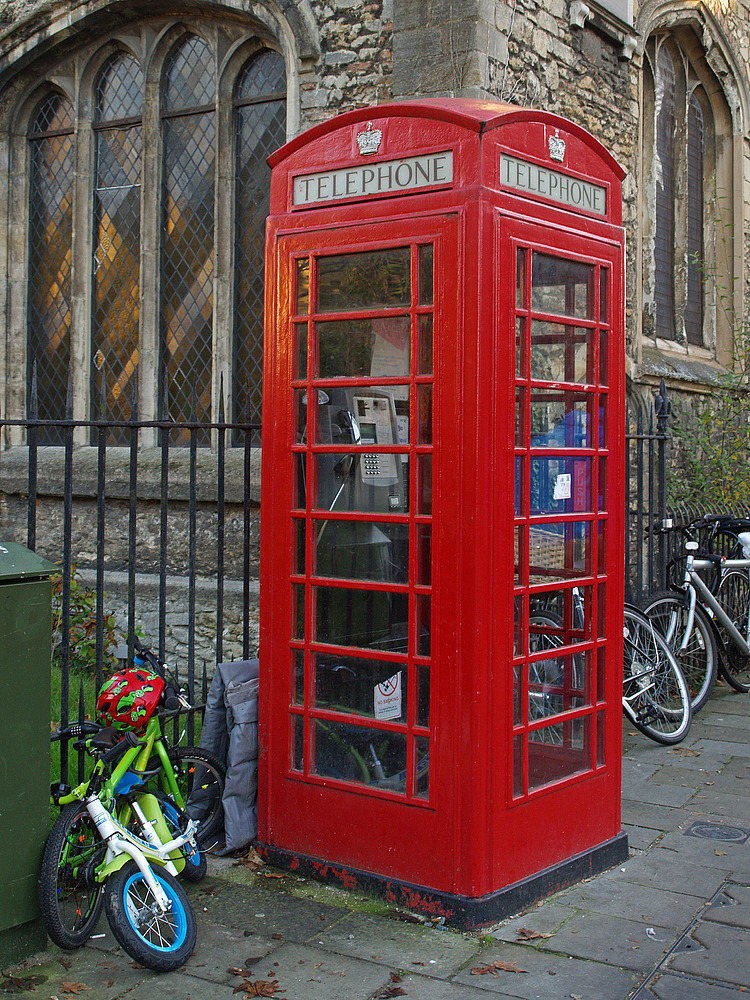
[(695, 252), (51, 154), (117, 216), (187, 271), (665, 195), (260, 118)]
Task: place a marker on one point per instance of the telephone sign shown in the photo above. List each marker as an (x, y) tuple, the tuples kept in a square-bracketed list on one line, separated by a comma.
[(441, 549)]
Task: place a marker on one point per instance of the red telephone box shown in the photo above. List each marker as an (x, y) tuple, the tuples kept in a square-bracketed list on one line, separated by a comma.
[(442, 530)]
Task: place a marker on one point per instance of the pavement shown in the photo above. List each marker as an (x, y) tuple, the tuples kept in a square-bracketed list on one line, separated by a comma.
[(671, 923)]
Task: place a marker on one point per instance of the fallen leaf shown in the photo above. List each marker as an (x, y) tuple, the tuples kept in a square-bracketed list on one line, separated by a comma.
[(260, 988), (74, 988), (395, 978), (273, 875), (392, 991), (526, 934), (494, 968), (684, 752), (65, 963), (719, 854)]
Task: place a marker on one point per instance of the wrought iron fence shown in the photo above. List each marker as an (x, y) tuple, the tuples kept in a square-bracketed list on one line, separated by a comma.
[(646, 507), (83, 485)]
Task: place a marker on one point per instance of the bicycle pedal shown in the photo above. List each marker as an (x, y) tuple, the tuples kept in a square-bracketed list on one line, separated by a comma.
[(57, 789)]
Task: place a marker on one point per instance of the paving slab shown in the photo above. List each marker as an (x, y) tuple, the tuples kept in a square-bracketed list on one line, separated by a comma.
[(104, 976), (648, 814), (264, 912), (731, 907), (640, 837), (656, 870), (544, 919), (636, 901), (305, 973), (548, 976), (629, 944), (722, 954), (219, 949), (708, 853), (673, 987), (429, 951)]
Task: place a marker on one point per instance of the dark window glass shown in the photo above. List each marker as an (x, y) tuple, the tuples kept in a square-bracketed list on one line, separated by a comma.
[(260, 128), (695, 154), (117, 237), (52, 164), (664, 234)]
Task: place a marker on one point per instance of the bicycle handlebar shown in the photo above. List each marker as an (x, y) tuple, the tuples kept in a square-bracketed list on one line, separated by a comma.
[(76, 729)]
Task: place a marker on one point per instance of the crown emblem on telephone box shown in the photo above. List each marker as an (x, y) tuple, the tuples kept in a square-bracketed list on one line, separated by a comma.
[(556, 146), (369, 140)]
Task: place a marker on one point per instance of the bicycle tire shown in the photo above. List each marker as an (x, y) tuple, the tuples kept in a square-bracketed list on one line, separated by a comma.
[(200, 776), (159, 941), (69, 898), (733, 594), (654, 696), (698, 661)]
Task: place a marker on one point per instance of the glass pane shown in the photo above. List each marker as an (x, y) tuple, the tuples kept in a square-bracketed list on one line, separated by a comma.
[(519, 604), (119, 90), (602, 486), (424, 361), (298, 728), (601, 673), (363, 347), (299, 532), (520, 414), (603, 358), (187, 262), (559, 551), (298, 611), (423, 696), (367, 618), (556, 684), (300, 353), (561, 353), (369, 415), (263, 76), (600, 743), (519, 555), (424, 625), (517, 766), (380, 279), (559, 751), (560, 419), (374, 688), (362, 550), (302, 286), (521, 257), (422, 769), (373, 483), (564, 287), (424, 484), (298, 676), (116, 279), (559, 618), (52, 163), (603, 295), (520, 485), (300, 478), (521, 347), (426, 256), (189, 76), (360, 754), (424, 402), (560, 485), (424, 555)]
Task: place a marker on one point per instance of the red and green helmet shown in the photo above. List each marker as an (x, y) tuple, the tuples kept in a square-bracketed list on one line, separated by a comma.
[(129, 698)]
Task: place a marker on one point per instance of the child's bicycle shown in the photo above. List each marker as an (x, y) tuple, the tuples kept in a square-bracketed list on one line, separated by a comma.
[(113, 814), (113, 847)]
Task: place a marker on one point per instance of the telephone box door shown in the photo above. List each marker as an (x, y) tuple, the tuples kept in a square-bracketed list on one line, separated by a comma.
[(356, 684)]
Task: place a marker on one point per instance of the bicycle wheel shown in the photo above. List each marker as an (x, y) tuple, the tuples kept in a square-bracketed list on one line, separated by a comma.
[(733, 594), (654, 694), (70, 899), (159, 941), (195, 859), (200, 777), (698, 660)]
